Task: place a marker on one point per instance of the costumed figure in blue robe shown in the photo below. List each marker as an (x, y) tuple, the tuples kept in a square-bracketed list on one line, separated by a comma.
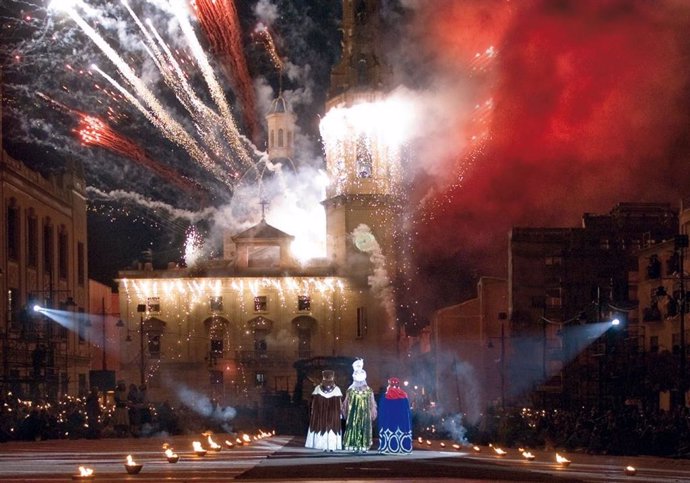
[(359, 411), (394, 421), (325, 430)]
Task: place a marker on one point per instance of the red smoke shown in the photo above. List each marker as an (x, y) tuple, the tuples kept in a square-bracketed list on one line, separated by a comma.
[(591, 108)]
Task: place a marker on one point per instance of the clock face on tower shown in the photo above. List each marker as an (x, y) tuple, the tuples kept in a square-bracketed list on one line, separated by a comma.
[(365, 241)]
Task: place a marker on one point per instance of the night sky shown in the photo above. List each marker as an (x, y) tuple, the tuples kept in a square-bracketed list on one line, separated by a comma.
[(530, 114)]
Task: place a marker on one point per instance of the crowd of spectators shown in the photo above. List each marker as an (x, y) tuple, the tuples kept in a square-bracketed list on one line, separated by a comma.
[(86, 417), (628, 430)]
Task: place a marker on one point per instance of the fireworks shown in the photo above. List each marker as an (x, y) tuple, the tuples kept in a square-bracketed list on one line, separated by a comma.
[(220, 22), (264, 36), (192, 247), (380, 129), (223, 152), (93, 131)]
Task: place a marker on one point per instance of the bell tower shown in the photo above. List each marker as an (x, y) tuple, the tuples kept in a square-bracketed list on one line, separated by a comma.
[(362, 163), (281, 129)]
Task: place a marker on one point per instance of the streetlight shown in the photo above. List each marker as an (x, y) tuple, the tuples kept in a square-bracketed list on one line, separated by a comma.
[(119, 323), (680, 244), (69, 304), (502, 316), (141, 308)]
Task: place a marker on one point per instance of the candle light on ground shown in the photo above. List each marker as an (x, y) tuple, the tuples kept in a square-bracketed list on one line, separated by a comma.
[(198, 449), (528, 455), (131, 466), (171, 456)]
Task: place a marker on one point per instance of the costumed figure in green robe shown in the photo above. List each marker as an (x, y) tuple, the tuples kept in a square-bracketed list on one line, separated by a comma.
[(359, 411)]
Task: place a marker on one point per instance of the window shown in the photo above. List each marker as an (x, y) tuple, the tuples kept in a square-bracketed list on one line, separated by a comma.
[(216, 303), (260, 303), (304, 343), (32, 241), (215, 377), (364, 159), (153, 304), (654, 343), (48, 255), (81, 272), (13, 308), (289, 139), (63, 252), (82, 384), (217, 347), (82, 324), (280, 138), (361, 322), (303, 303), (260, 378), (654, 267), (13, 227), (553, 298), (154, 344)]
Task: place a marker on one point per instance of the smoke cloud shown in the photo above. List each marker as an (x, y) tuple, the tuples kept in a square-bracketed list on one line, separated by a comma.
[(379, 281), (569, 107), (203, 406)]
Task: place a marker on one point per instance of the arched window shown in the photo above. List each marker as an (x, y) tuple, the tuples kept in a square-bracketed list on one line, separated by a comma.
[(304, 326), (272, 139), (280, 138), (362, 75), (13, 227)]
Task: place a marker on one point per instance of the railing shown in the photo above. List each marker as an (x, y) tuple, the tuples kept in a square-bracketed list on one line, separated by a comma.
[(268, 358)]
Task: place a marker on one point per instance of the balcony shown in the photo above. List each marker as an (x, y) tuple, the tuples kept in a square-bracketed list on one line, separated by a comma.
[(262, 358)]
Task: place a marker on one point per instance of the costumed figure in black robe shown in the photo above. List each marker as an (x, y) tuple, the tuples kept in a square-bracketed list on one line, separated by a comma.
[(359, 409), (325, 430), (394, 421)]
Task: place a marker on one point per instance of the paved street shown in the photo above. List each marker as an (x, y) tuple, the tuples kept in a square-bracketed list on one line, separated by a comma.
[(283, 458)]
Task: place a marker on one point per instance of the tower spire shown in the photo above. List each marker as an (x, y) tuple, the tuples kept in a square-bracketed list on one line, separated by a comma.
[(361, 65)]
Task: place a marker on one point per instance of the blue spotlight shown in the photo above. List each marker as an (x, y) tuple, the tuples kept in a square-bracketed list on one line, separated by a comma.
[(37, 308), (615, 322)]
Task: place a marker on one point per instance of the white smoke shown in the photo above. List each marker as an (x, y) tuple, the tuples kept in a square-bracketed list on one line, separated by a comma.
[(266, 12), (379, 281), (202, 405)]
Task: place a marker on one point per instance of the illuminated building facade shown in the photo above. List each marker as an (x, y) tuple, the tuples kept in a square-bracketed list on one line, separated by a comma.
[(257, 322), (43, 258)]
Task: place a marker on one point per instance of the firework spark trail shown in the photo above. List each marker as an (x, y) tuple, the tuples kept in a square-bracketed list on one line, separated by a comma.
[(173, 75), (206, 120), (187, 142), (156, 206), (266, 39), (220, 22), (214, 87), (157, 114), (93, 131)]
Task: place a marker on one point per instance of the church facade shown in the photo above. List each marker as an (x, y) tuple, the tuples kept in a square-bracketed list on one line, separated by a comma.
[(257, 322)]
